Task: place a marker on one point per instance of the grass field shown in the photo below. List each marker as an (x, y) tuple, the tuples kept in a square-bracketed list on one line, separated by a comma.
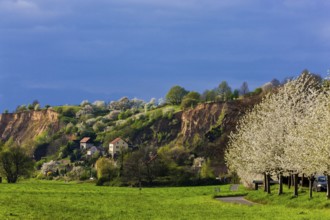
[(58, 200)]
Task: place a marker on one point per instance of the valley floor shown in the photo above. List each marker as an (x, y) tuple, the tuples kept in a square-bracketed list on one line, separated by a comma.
[(58, 200)]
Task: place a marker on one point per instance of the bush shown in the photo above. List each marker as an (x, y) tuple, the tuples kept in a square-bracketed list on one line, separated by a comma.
[(106, 170), (156, 114), (76, 173)]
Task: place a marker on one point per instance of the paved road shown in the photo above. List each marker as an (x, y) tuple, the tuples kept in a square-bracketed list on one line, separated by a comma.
[(236, 199)]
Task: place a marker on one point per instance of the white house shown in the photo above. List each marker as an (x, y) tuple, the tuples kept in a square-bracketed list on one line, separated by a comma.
[(86, 143), (92, 151), (116, 146)]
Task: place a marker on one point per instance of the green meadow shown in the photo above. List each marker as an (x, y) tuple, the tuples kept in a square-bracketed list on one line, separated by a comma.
[(58, 200)]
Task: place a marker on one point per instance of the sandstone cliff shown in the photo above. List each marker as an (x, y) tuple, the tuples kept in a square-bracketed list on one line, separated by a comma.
[(25, 126), (211, 117)]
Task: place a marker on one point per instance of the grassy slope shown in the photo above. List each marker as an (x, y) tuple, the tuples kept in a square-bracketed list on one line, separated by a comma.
[(58, 200)]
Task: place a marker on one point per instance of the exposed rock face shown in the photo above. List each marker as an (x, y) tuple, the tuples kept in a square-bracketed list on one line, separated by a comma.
[(25, 126), (200, 119), (205, 117), (212, 123)]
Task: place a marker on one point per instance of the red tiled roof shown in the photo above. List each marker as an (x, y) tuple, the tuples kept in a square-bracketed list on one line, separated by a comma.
[(85, 140), (116, 140)]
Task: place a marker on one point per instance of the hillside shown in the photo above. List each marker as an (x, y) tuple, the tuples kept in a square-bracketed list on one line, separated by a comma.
[(206, 123)]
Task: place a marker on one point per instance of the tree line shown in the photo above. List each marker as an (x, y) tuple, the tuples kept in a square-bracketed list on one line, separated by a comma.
[(178, 95), (286, 134)]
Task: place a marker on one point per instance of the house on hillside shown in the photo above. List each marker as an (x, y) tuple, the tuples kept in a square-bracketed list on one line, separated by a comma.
[(86, 143), (116, 146), (91, 151)]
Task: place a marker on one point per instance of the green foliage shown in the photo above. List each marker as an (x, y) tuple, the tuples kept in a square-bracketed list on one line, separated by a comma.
[(156, 114), (224, 91), (197, 142), (190, 100), (209, 96), (106, 170), (143, 167), (67, 150), (235, 94), (14, 163), (217, 130), (206, 170), (75, 155), (168, 112), (222, 115), (21, 108), (175, 95), (125, 114), (257, 91), (42, 138), (67, 120), (78, 173), (30, 107), (69, 112)]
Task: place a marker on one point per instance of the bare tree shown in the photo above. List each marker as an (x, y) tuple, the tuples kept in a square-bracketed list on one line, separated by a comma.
[(244, 88)]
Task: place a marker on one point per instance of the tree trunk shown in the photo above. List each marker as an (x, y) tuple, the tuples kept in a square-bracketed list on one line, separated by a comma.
[(328, 186), (289, 181), (292, 180), (295, 185), (280, 181), (265, 182), (268, 183), (302, 180), (310, 187)]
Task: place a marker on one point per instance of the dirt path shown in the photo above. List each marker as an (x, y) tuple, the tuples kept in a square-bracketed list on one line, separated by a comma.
[(236, 199)]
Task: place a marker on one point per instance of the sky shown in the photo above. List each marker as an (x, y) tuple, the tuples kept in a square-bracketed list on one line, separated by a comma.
[(65, 51)]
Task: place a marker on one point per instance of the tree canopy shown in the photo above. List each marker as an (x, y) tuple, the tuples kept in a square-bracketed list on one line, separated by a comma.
[(175, 95), (278, 136), (190, 100), (224, 91), (15, 163)]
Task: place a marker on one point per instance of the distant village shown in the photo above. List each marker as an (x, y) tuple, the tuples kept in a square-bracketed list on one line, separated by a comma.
[(115, 147)]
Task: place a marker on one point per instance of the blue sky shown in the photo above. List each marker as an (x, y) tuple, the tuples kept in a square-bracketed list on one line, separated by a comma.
[(66, 51)]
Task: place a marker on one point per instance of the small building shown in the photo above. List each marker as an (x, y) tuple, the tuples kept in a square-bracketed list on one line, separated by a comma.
[(86, 143), (92, 151), (116, 146)]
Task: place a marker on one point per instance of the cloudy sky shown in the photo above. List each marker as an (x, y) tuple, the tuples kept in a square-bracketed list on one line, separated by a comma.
[(65, 51)]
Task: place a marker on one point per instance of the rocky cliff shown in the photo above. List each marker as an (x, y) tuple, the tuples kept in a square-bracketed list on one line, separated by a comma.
[(209, 120), (25, 126)]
